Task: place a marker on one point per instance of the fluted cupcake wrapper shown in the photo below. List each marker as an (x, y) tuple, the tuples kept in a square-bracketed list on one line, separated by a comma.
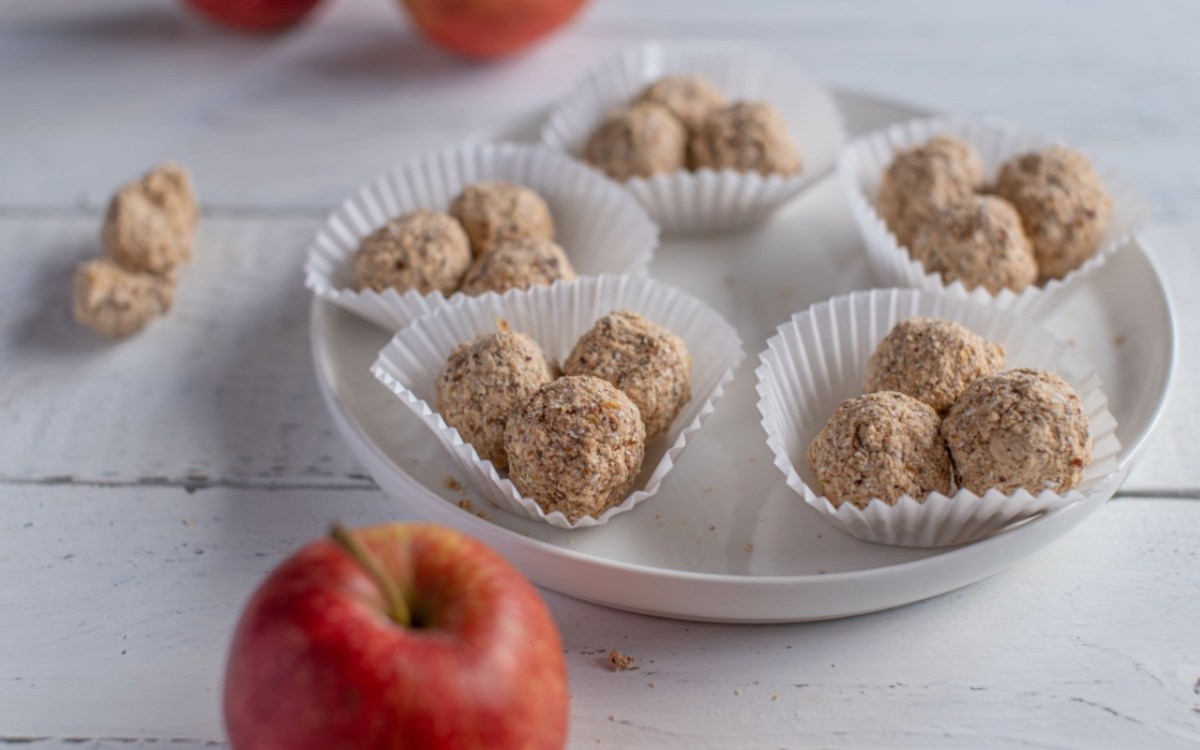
[(601, 228), (863, 163), (708, 200), (556, 317), (819, 358)]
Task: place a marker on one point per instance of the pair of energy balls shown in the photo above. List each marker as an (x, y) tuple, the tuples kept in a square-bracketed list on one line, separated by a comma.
[(940, 414), (683, 122), (1045, 216), (497, 236), (574, 443), (147, 237)]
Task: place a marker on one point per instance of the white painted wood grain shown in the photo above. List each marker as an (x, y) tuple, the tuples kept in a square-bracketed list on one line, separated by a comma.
[(117, 600), (222, 389), (298, 119), (1085, 644)]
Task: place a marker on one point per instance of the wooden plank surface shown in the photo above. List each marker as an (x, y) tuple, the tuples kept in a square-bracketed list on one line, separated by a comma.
[(146, 487), (128, 611)]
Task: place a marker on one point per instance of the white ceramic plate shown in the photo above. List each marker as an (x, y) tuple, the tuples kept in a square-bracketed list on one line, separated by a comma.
[(725, 539)]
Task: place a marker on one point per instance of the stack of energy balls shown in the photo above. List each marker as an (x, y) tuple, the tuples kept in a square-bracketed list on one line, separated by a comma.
[(683, 122), (1044, 216), (940, 414), (497, 236), (573, 441)]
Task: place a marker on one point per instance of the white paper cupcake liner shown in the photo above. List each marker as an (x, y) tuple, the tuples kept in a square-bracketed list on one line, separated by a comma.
[(556, 317), (599, 226), (863, 163), (708, 200), (819, 358)]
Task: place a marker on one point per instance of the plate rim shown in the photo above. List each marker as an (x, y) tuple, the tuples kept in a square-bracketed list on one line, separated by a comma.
[(1052, 523)]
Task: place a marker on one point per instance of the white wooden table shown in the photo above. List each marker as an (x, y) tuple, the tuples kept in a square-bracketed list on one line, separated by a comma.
[(146, 487)]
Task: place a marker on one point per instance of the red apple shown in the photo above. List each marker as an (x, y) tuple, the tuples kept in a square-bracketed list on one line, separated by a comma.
[(255, 15), (392, 637), (489, 28)]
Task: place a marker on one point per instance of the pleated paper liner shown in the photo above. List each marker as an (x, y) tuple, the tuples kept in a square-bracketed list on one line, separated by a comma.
[(555, 317), (819, 358), (863, 163), (708, 200), (601, 228)]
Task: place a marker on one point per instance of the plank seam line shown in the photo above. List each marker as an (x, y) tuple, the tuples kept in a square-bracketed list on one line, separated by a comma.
[(35, 741), (189, 485)]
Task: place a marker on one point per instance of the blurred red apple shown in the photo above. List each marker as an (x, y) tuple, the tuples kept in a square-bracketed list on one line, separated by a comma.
[(396, 636), (486, 29), (255, 15)]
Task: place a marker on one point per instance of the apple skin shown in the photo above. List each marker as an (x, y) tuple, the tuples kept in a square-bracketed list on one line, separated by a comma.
[(487, 29), (255, 15), (317, 663)]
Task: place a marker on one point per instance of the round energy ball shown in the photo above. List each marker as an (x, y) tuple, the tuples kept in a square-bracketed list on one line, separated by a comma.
[(576, 446), (424, 251), (979, 241), (149, 223), (647, 362), (116, 302), (517, 264), (747, 137), (923, 180), (690, 98), (1021, 429), (640, 141), (882, 445), (493, 212), (483, 381), (933, 360), (1062, 204)]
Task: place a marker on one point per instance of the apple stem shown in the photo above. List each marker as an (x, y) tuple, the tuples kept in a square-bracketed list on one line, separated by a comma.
[(397, 609)]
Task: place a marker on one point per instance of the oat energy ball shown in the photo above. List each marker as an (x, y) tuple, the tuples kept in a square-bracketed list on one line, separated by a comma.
[(1062, 204), (1021, 429), (745, 136), (882, 445), (517, 264), (690, 98), (932, 360), (484, 381), (979, 241), (647, 362), (149, 223), (424, 251), (492, 212), (923, 180), (639, 141), (576, 446), (115, 302)]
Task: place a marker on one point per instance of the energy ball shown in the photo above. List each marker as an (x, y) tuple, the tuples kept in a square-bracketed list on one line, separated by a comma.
[(642, 140), (492, 212), (647, 362), (1062, 204), (484, 381), (517, 264), (690, 98), (932, 360), (116, 302), (149, 223), (979, 241), (1021, 429), (882, 445), (424, 251), (923, 180), (576, 446), (745, 136)]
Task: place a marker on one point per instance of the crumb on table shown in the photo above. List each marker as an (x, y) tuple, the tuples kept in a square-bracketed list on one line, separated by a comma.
[(621, 662)]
